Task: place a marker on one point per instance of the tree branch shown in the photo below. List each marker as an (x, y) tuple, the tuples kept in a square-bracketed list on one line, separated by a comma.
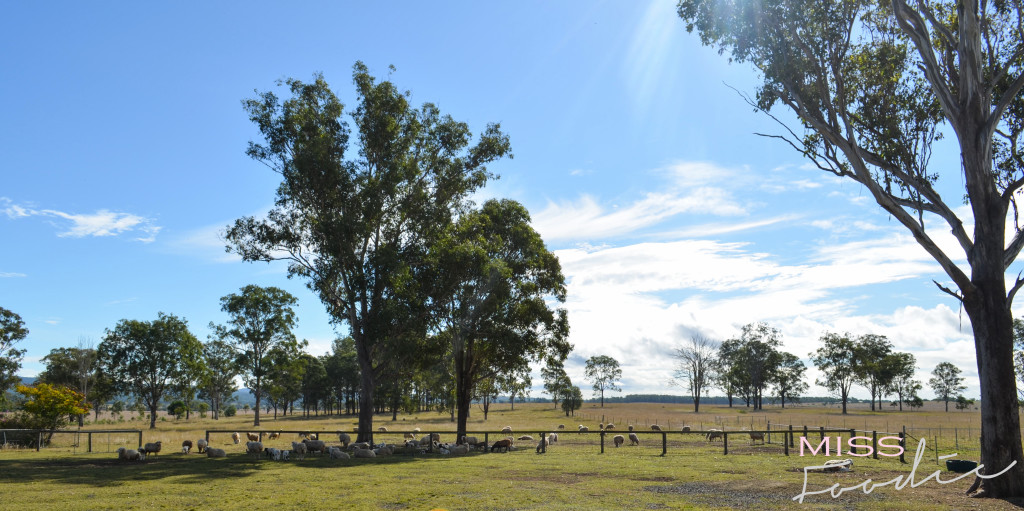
[(1013, 249), (948, 291), (1013, 290)]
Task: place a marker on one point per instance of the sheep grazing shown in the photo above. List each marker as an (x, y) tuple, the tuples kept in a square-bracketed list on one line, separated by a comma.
[(201, 445), (129, 454), (344, 439), (633, 439), (273, 454), (583, 429), (502, 445), (609, 427), (338, 454), (286, 455), (299, 449), (186, 446), (152, 448), (364, 453), (253, 437), (754, 435), (542, 445), (631, 428), (274, 436), (382, 429), (315, 446), (686, 429), (507, 430), (254, 448), (561, 426), (552, 438), (618, 440), (600, 425), (236, 437), (714, 434), (525, 437), (655, 427), (213, 452)]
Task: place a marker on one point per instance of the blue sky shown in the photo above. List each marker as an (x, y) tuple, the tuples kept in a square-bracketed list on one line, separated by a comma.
[(124, 144)]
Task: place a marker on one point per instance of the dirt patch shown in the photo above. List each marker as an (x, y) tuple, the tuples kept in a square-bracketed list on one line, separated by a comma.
[(655, 479)]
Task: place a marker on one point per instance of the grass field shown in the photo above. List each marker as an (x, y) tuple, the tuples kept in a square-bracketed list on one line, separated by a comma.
[(573, 474)]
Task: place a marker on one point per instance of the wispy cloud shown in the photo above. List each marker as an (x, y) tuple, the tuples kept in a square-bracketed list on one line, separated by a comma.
[(78, 225), (11, 275)]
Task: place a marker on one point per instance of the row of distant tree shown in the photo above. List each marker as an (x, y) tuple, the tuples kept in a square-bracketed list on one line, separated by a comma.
[(752, 367)]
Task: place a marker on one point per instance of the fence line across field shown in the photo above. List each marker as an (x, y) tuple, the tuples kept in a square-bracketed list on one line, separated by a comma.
[(19, 434)]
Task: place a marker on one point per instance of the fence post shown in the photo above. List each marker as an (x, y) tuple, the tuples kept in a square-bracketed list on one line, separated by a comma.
[(725, 443), (768, 432), (903, 443), (664, 443), (874, 443), (785, 443), (936, 449), (207, 437), (90, 441), (956, 438), (602, 441), (140, 439), (822, 428), (791, 436), (543, 443), (39, 440), (853, 448)]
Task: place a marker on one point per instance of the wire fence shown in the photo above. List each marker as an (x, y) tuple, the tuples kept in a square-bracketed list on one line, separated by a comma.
[(95, 440)]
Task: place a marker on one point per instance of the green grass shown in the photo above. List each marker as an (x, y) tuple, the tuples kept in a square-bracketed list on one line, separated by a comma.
[(572, 475)]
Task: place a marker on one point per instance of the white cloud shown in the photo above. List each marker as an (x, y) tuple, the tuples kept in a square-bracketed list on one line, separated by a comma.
[(101, 223), (580, 172), (11, 275)]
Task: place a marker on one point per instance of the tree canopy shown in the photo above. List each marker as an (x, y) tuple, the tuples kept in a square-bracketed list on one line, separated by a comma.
[(874, 85), (12, 331), (355, 227), (695, 367), (946, 382)]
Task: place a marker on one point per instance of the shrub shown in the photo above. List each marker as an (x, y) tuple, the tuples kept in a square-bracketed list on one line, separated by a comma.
[(177, 408), (230, 411)]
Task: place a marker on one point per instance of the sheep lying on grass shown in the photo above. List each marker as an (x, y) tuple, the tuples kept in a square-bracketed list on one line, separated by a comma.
[(619, 440), (838, 466), (364, 453), (273, 454), (186, 446), (129, 455), (525, 438), (633, 439), (338, 454), (236, 437), (382, 429), (213, 452), (201, 445), (507, 430)]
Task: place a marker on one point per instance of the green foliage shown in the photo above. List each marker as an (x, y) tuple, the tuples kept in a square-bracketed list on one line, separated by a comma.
[(603, 371), (962, 403), (572, 400), (836, 359), (788, 378), (946, 382), (356, 228), (230, 411), (147, 358), (12, 331), (748, 362), (177, 408), (261, 321)]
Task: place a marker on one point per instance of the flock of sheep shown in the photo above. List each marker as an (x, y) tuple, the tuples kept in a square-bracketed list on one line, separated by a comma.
[(310, 444)]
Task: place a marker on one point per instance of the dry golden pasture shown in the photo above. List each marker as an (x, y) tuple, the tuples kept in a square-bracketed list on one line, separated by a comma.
[(573, 474)]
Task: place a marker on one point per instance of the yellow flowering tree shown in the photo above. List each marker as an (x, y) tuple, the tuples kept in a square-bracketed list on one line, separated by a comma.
[(50, 406)]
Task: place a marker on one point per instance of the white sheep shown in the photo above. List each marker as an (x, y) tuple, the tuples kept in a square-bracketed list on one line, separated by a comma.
[(344, 439), (254, 448), (542, 445), (273, 454), (609, 427), (382, 429), (214, 452), (583, 429), (552, 438), (253, 437), (655, 427), (274, 435), (364, 453), (286, 455), (383, 451), (459, 449), (714, 434), (186, 446), (361, 445), (236, 437), (129, 454), (202, 444), (507, 430), (409, 436), (838, 465), (433, 437), (633, 439), (152, 448), (525, 437), (338, 454), (469, 440), (619, 440), (299, 448)]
